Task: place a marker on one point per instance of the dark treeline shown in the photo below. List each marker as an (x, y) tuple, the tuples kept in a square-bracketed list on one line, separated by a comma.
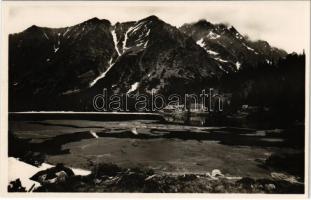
[(279, 87)]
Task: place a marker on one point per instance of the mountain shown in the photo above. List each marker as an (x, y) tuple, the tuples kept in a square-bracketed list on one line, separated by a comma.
[(155, 56), (54, 61), (233, 50), (64, 68)]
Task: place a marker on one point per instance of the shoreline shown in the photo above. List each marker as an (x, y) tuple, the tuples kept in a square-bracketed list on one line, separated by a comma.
[(29, 170), (111, 178)]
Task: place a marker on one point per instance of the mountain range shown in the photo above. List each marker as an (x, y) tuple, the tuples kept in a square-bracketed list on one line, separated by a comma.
[(63, 68)]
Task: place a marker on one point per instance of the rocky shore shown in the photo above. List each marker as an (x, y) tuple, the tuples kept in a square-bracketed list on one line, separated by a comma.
[(111, 178)]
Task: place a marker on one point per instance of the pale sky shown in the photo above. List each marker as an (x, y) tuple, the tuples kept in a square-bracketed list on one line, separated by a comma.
[(284, 24)]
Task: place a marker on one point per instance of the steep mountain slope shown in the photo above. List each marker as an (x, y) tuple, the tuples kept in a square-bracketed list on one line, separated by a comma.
[(153, 55), (226, 45), (46, 61), (64, 68)]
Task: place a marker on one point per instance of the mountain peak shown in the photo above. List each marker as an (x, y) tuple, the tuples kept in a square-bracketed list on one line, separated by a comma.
[(33, 28), (232, 28), (149, 54), (152, 18), (95, 20), (203, 23)]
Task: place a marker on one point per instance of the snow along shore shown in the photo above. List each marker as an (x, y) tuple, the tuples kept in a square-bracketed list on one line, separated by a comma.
[(24, 171)]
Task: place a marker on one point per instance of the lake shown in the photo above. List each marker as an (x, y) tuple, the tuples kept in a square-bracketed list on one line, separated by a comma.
[(84, 140)]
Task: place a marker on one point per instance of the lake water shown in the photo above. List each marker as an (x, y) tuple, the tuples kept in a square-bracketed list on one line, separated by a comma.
[(150, 142)]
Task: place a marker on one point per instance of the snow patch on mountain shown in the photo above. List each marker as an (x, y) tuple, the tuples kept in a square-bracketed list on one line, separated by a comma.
[(67, 30), (221, 60), (201, 43), (136, 27), (71, 91), (133, 87), (115, 41), (102, 75), (220, 67), (125, 39), (145, 45), (55, 49), (148, 32), (268, 62), (238, 36), (249, 48), (45, 35), (238, 65), (142, 40), (211, 35), (212, 52)]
